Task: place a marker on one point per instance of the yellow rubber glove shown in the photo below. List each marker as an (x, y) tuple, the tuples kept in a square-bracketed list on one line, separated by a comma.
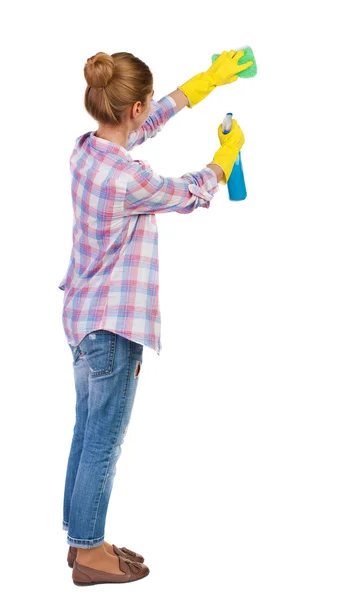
[(223, 70), (227, 154)]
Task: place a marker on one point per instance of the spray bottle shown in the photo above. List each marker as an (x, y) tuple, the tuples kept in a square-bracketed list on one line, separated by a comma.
[(235, 184)]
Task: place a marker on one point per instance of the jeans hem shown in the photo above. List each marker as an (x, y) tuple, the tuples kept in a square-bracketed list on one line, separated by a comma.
[(65, 526), (78, 543)]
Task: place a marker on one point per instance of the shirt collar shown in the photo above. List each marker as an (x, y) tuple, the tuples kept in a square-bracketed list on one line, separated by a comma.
[(106, 146)]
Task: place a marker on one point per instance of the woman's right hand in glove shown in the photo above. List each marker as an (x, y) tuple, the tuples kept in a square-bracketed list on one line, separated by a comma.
[(227, 154)]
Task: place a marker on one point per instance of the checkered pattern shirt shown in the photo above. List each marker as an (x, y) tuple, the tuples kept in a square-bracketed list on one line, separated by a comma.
[(112, 278)]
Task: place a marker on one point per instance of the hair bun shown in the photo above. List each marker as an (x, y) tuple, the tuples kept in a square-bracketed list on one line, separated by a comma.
[(99, 69)]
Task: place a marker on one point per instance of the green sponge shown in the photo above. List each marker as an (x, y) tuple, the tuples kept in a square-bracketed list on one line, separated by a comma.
[(248, 55)]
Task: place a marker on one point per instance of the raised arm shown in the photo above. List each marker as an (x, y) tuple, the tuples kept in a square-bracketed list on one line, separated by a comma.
[(224, 70), (161, 111)]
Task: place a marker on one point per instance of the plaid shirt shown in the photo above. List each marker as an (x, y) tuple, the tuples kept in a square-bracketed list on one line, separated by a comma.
[(112, 279)]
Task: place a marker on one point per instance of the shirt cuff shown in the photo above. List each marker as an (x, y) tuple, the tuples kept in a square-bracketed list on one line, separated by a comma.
[(207, 189), (168, 105)]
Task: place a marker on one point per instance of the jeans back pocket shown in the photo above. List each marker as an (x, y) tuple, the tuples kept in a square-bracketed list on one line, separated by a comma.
[(98, 350)]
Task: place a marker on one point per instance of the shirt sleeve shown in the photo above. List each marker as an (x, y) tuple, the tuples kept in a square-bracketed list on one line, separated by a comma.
[(148, 192), (161, 112)]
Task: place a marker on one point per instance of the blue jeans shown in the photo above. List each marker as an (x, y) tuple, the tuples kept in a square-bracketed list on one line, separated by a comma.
[(106, 371)]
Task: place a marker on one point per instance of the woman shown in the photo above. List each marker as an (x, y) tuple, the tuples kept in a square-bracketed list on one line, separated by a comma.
[(111, 307)]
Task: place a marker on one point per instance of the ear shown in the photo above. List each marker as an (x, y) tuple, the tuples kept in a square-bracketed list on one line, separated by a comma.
[(136, 109)]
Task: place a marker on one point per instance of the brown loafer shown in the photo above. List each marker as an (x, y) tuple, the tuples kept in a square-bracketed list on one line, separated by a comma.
[(82, 575), (121, 552)]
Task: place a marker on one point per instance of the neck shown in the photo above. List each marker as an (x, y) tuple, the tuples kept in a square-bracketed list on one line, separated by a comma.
[(117, 136)]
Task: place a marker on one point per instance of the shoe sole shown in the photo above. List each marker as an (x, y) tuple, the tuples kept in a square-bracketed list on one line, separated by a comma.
[(101, 582)]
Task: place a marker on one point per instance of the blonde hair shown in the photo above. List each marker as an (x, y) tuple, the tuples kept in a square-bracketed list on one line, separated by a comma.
[(115, 82)]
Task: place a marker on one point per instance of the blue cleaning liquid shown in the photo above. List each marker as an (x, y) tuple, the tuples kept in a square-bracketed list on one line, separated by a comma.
[(236, 183)]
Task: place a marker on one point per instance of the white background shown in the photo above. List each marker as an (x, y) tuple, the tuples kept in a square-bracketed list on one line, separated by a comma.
[(233, 477)]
